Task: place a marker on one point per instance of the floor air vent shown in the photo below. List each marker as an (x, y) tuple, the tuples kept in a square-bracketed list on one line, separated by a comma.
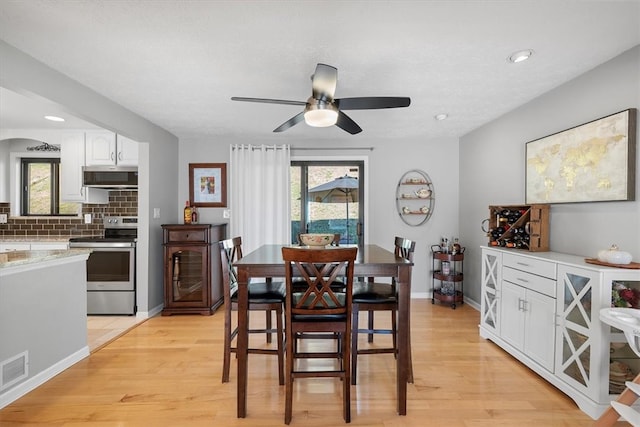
[(14, 370)]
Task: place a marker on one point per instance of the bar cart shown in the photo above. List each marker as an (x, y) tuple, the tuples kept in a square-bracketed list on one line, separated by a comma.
[(447, 275)]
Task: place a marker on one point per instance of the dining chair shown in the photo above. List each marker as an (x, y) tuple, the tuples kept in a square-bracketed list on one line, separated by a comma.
[(371, 296), (318, 309), (265, 296)]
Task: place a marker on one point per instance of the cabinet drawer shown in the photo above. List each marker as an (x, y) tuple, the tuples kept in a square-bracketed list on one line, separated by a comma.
[(187, 235), (530, 265), (530, 281)]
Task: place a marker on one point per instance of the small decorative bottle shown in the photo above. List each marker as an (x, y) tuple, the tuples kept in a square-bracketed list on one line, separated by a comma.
[(194, 215), (187, 213), (456, 246)]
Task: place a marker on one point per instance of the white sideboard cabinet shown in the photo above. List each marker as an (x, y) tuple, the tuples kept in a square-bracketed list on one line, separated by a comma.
[(543, 308)]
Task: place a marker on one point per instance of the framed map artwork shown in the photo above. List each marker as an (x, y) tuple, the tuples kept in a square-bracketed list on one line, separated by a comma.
[(592, 162)]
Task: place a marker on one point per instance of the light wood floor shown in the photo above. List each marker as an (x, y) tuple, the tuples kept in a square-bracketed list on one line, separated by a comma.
[(101, 330), (167, 370)]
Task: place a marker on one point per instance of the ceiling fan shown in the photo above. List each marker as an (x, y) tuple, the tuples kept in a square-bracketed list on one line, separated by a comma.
[(322, 109)]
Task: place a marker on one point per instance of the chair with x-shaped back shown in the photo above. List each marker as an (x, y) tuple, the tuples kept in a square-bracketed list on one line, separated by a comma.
[(318, 308), (263, 296), (372, 296)]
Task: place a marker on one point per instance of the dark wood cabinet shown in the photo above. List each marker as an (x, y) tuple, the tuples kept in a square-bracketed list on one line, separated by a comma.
[(192, 271)]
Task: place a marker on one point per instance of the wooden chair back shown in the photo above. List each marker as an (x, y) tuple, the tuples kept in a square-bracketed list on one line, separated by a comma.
[(315, 270), (230, 252)]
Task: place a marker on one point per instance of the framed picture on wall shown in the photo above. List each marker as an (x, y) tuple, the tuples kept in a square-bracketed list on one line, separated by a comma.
[(208, 185), (593, 162)]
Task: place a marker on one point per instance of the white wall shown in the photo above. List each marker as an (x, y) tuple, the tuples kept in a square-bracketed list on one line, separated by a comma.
[(158, 163), (386, 164), (492, 166)]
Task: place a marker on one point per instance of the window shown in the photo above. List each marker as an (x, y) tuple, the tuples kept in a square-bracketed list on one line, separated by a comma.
[(339, 209), (40, 188)]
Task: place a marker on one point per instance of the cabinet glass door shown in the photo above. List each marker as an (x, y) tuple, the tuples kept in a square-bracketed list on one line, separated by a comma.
[(187, 276), (491, 267), (575, 337)]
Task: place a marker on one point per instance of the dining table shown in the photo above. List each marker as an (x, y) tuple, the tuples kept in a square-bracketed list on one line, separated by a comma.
[(371, 261)]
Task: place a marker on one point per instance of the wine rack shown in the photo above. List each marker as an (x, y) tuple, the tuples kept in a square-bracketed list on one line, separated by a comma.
[(519, 226)]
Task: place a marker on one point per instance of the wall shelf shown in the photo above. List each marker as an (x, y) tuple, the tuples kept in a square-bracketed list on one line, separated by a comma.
[(415, 197)]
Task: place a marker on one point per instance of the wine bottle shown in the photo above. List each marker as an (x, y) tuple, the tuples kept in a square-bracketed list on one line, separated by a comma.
[(187, 213)]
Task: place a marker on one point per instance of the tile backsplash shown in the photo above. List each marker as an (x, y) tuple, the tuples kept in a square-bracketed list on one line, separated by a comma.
[(122, 203)]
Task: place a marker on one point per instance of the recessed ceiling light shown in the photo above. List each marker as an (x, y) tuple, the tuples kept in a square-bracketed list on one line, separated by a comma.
[(519, 56), (54, 118), (440, 116)]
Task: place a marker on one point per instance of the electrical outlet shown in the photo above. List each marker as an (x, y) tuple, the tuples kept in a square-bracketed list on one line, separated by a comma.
[(87, 218), (3, 218), (226, 214)]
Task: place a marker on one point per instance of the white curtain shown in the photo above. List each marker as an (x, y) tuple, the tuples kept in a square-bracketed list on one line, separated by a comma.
[(259, 195)]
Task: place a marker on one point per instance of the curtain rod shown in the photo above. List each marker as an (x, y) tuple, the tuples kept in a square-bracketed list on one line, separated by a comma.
[(274, 147), (332, 148)]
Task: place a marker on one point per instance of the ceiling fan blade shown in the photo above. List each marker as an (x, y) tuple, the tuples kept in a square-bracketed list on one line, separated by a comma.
[(268, 101), (372, 102), (346, 123), (290, 123), (324, 82)]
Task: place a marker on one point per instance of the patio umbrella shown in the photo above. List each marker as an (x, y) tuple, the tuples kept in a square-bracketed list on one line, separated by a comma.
[(340, 190)]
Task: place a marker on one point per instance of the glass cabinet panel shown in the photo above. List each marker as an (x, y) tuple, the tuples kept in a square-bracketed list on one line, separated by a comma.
[(187, 275), (491, 268), (624, 363), (575, 332)]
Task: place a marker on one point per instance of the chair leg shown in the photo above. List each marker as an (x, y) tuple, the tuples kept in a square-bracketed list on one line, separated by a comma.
[(269, 325), (370, 336), (226, 363), (410, 373), (394, 329), (288, 405), (354, 343), (346, 383), (280, 338)]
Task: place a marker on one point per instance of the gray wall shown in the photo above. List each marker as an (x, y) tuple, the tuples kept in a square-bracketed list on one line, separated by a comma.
[(46, 318), (158, 161), (388, 161), (492, 166)]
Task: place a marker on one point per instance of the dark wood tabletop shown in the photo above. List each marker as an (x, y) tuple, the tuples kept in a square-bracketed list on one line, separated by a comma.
[(372, 261)]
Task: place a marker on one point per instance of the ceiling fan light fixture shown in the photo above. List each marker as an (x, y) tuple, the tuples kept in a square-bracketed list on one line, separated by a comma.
[(320, 114), (519, 56), (54, 118)]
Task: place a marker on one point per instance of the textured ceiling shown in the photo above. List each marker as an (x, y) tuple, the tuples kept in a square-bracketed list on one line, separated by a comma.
[(178, 63)]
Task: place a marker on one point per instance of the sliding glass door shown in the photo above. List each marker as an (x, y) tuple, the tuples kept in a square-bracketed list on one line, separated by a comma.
[(328, 197)]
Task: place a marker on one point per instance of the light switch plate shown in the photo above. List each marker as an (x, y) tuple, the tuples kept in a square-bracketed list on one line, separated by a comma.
[(226, 214), (3, 218), (156, 213)]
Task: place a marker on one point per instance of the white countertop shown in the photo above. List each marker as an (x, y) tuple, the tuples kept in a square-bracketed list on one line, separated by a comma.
[(10, 261)]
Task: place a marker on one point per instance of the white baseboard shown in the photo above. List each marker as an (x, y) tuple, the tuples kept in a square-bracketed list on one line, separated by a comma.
[(37, 380), (148, 314)]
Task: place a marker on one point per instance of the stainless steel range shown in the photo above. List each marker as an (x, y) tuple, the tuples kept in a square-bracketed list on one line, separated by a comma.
[(111, 267)]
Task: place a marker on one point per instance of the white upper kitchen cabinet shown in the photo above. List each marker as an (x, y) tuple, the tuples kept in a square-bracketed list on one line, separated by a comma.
[(72, 154), (127, 150), (104, 148)]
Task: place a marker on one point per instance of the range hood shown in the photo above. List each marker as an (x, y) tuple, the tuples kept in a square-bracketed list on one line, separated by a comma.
[(110, 177)]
